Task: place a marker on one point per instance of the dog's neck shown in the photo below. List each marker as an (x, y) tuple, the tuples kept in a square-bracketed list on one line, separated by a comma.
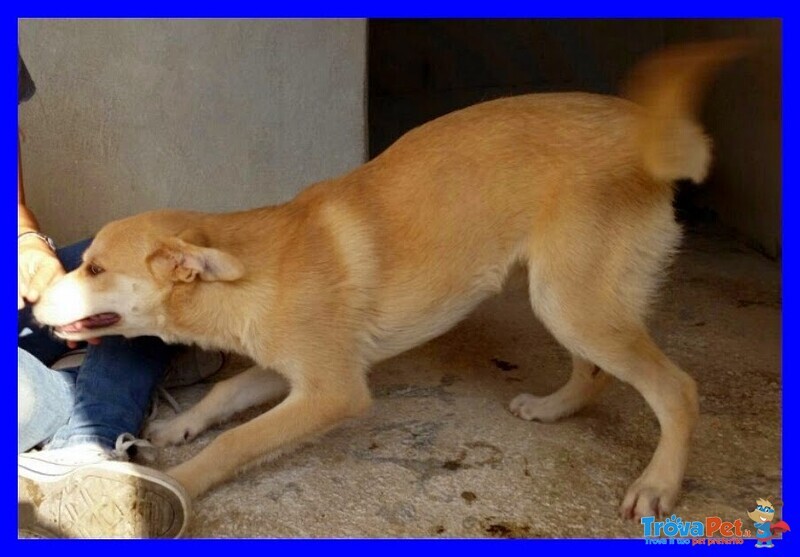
[(221, 315)]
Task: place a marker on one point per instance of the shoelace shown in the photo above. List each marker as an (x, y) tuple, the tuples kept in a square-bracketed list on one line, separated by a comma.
[(161, 392), (127, 440)]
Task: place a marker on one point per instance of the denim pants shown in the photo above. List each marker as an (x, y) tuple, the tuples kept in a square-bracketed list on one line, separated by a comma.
[(106, 396)]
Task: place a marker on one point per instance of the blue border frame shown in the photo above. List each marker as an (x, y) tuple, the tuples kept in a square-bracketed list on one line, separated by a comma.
[(414, 8), (791, 302)]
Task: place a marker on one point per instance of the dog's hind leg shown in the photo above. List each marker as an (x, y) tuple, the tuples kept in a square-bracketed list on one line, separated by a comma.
[(251, 387), (624, 349), (634, 358), (586, 382), (595, 310), (592, 275)]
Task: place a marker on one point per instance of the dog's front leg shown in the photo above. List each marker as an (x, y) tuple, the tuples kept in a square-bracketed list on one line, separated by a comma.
[(318, 401), (249, 388)]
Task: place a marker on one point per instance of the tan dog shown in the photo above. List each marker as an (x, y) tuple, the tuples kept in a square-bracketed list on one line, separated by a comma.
[(355, 270)]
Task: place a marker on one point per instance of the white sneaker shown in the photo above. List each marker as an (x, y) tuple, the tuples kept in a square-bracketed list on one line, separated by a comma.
[(83, 492)]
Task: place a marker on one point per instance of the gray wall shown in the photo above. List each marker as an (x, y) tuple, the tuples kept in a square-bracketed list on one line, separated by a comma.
[(196, 114)]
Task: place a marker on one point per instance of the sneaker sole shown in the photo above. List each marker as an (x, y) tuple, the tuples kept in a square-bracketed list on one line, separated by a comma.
[(104, 500)]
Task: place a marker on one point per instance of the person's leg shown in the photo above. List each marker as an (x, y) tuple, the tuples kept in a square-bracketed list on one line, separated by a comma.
[(76, 487), (113, 389), (80, 491), (44, 400)]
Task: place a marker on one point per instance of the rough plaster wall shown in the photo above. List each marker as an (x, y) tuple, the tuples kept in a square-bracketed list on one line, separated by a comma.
[(196, 114)]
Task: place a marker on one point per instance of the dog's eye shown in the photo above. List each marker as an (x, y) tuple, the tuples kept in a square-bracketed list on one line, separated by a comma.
[(95, 269)]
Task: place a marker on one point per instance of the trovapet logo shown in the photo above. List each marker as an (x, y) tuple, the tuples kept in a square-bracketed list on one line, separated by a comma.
[(674, 530), (715, 531)]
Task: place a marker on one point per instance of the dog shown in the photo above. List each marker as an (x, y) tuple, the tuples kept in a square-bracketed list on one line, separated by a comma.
[(578, 187)]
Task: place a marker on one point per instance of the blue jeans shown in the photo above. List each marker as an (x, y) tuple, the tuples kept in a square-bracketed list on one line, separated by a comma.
[(106, 396)]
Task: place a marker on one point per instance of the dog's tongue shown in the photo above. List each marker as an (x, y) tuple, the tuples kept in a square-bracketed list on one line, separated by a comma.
[(92, 322)]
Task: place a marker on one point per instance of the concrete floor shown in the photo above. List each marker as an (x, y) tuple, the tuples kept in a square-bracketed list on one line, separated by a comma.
[(441, 456)]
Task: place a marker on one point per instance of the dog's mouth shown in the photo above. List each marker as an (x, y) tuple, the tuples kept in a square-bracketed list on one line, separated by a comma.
[(96, 321)]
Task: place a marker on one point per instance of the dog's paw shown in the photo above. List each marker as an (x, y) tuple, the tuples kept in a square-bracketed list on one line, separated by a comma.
[(539, 408), (162, 433), (648, 499)]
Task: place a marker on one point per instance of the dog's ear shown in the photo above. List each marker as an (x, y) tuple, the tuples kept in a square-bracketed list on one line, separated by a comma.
[(180, 261)]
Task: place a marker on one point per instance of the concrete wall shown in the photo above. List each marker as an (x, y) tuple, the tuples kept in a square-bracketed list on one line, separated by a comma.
[(197, 114)]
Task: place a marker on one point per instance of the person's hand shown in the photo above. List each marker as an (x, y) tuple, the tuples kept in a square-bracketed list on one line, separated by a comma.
[(74, 344), (37, 268)]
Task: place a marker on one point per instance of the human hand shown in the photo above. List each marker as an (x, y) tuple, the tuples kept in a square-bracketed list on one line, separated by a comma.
[(72, 344), (37, 268)]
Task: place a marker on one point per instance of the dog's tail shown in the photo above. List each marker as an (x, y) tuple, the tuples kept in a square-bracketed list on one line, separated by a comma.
[(669, 86)]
